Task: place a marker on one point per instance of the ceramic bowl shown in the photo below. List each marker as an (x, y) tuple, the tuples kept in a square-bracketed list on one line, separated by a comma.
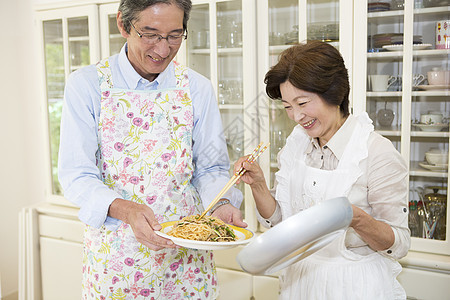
[(431, 118), (437, 157)]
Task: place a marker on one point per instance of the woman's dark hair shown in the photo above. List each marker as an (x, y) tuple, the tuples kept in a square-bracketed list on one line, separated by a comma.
[(131, 8), (314, 67)]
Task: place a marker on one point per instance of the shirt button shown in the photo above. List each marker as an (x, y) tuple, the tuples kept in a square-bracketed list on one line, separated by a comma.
[(404, 209), (389, 251), (267, 221)]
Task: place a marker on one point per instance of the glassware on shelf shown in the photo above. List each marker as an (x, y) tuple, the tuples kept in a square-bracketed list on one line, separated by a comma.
[(292, 36), (278, 141), (413, 220), (235, 35), (385, 116), (433, 212), (230, 91)]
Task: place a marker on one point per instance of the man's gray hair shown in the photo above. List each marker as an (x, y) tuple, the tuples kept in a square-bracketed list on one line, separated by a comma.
[(131, 8)]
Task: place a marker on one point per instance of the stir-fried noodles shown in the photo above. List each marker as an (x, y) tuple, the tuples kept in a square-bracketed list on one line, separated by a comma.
[(207, 229)]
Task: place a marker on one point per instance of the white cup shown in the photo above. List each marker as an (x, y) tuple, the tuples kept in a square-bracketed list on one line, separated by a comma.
[(418, 79), (439, 77), (380, 83)]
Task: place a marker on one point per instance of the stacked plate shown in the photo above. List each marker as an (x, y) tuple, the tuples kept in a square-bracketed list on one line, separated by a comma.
[(378, 6), (380, 40)]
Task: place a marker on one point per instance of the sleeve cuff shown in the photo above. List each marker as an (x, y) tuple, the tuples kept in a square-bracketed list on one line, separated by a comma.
[(401, 245), (274, 219)]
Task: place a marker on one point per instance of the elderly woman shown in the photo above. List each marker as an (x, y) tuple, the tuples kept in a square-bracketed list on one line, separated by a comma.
[(331, 153)]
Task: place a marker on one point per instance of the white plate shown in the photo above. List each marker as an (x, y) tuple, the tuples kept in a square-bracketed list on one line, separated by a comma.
[(427, 166), (400, 47), (243, 237), (433, 87), (431, 127), (296, 237)]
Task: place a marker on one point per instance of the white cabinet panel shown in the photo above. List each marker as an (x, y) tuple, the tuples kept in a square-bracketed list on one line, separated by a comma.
[(61, 265), (265, 288), (234, 285), (424, 285), (59, 228)]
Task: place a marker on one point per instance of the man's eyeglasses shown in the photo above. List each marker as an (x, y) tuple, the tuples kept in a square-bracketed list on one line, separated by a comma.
[(154, 38)]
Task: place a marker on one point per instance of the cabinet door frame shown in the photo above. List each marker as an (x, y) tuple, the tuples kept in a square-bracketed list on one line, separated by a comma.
[(104, 11)]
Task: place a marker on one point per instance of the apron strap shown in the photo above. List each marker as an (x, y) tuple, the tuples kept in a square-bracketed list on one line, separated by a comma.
[(104, 75)]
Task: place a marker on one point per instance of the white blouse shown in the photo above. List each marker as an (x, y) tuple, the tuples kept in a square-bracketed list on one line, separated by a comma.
[(381, 191)]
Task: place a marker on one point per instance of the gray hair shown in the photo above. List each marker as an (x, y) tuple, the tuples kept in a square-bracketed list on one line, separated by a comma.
[(131, 8)]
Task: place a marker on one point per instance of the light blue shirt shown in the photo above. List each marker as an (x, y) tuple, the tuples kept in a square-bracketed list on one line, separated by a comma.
[(78, 172)]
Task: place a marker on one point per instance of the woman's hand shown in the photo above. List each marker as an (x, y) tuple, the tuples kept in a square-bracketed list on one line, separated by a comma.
[(143, 222), (253, 175), (377, 234)]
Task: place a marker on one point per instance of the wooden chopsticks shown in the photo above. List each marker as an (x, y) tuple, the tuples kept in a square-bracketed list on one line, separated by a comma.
[(252, 157)]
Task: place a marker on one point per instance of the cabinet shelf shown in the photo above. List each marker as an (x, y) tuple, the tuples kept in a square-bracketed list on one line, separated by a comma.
[(231, 106), (396, 16), (79, 39), (416, 170), (389, 131), (226, 51), (384, 94), (399, 54), (115, 36), (388, 94), (201, 51), (439, 134), (431, 93)]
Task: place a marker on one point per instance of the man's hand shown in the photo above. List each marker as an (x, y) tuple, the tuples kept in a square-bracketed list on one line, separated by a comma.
[(142, 220), (230, 215)]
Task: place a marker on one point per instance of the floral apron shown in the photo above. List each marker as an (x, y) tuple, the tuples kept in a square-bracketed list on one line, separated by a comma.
[(145, 142), (333, 272)]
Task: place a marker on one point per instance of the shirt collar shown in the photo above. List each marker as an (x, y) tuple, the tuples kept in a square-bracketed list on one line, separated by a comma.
[(338, 141), (134, 80)]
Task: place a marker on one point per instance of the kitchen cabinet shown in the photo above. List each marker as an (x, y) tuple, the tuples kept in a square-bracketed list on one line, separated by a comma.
[(51, 244), (397, 111)]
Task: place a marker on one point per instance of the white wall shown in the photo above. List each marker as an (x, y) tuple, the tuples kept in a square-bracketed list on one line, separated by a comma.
[(22, 139)]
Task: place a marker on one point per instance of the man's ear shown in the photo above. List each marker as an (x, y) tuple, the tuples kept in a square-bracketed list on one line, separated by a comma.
[(121, 26)]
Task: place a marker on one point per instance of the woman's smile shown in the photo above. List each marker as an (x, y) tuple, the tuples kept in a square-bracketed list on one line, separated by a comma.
[(309, 124)]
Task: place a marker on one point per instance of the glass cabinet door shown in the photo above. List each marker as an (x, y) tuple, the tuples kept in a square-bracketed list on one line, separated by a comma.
[(385, 69), (405, 48), (69, 41), (55, 79), (430, 108), (111, 39), (198, 42), (221, 46), (287, 23)]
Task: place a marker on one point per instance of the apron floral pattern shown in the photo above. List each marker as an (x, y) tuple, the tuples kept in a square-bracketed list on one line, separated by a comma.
[(145, 142)]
